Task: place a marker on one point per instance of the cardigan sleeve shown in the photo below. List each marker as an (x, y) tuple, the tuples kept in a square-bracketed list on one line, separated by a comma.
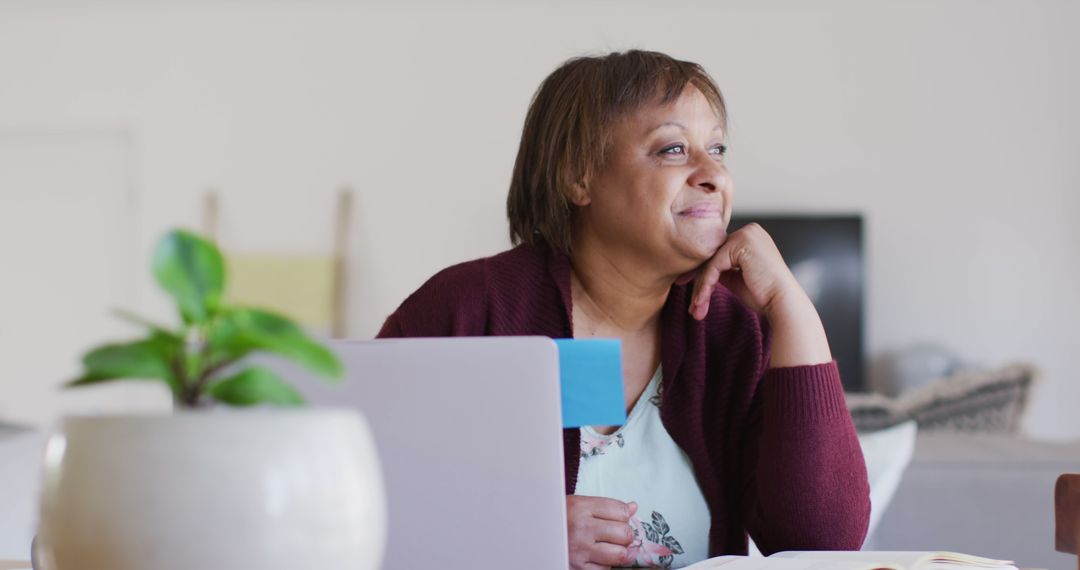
[(804, 478)]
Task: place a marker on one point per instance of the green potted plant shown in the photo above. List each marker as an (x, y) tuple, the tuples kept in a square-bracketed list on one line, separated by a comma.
[(264, 488), (212, 338)]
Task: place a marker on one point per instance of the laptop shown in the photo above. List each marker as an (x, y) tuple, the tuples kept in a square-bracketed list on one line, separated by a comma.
[(469, 433)]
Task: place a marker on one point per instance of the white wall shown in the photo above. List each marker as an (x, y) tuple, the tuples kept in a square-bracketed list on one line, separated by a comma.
[(952, 126)]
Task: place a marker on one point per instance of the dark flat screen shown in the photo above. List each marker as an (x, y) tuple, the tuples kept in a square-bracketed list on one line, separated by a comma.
[(825, 254)]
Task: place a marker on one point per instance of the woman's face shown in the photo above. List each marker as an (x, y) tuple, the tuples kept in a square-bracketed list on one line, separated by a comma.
[(664, 194)]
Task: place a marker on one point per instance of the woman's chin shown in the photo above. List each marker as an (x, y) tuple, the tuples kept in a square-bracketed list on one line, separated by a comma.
[(691, 261), (702, 241), (702, 248)]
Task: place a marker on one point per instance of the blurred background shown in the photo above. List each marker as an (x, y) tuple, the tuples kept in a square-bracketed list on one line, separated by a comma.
[(950, 130)]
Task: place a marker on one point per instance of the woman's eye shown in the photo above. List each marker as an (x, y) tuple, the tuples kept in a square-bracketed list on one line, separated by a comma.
[(678, 149)]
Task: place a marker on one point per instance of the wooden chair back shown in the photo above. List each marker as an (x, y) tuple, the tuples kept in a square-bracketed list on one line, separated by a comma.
[(1067, 514)]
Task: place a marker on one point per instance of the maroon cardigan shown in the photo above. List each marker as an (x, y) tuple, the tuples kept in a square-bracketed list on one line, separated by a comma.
[(774, 449)]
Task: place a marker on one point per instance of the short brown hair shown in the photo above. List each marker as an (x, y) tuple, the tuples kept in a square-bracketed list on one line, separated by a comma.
[(567, 132)]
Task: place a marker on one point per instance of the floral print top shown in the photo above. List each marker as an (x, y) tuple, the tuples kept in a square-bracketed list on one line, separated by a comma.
[(641, 463)]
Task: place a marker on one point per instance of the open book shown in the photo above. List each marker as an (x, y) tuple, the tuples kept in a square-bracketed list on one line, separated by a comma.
[(856, 560)]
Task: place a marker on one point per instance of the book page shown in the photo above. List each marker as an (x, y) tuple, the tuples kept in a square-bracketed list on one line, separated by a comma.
[(773, 563), (908, 560), (968, 561)]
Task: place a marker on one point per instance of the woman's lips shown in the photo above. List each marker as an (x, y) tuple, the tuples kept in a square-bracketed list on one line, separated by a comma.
[(703, 211)]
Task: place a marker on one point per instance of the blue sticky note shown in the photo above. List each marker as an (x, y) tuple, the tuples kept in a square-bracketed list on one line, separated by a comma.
[(590, 372)]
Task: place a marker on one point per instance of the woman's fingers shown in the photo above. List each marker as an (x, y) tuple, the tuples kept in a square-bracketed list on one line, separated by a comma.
[(599, 531), (605, 553), (749, 264), (707, 279), (613, 532), (699, 305), (733, 281), (611, 509)]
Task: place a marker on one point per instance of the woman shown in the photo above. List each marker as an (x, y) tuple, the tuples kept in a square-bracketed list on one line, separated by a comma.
[(618, 208)]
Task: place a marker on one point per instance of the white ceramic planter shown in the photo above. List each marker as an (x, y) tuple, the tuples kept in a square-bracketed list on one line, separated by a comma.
[(234, 490)]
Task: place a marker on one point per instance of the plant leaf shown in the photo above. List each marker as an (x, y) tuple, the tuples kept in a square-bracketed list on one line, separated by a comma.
[(659, 523), (240, 331), (672, 544), (143, 359), (650, 533), (145, 323), (255, 385), (190, 269)]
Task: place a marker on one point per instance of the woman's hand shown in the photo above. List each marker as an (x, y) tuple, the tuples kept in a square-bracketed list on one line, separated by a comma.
[(749, 265), (599, 531)]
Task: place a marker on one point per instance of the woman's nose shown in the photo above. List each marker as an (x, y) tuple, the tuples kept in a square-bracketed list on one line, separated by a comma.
[(709, 175)]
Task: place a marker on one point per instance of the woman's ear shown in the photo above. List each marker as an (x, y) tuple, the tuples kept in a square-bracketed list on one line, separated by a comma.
[(579, 195)]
